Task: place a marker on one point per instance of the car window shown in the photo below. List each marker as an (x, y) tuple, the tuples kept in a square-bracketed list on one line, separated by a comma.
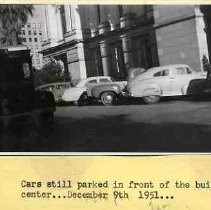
[(81, 83), (47, 88), (136, 72), (91, 81), (162, 73), (56, 87), (182, 70), (105, 80)]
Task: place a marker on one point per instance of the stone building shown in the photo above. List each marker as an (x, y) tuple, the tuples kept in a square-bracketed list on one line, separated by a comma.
[(33, 34), (95, 40)]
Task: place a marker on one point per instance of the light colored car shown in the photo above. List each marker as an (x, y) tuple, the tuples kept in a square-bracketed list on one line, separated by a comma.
[(103, 88), (171, 80)]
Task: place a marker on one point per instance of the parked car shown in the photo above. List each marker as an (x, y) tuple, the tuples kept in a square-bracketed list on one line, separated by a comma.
[(169, 80), (103, 88), (208, 83), (57, 89)]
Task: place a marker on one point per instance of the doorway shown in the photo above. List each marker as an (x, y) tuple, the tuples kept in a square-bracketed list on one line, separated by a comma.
[(117, 61)]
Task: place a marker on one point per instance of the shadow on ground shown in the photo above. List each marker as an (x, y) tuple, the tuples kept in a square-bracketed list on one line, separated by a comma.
[(24, 135), (117, 133), (139, 101)]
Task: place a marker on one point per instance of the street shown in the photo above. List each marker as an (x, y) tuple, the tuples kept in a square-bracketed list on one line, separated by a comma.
[(173, 125), (170, 126)]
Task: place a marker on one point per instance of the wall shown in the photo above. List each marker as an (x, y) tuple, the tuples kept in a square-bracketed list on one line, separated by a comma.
[(110, 13), (179, 42)]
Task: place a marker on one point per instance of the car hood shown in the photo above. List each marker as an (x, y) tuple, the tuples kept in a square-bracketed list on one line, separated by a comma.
[(202, 74)]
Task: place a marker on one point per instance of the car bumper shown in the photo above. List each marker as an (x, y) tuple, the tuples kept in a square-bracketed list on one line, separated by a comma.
[(126, 94)]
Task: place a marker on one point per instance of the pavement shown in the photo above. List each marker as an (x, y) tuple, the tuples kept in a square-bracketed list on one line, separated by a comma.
[(173, 125), (182, 125)]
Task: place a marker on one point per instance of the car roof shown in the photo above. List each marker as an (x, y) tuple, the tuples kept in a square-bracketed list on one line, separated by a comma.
[(151, 71), (53, 84), (97, 77), (157, 68)]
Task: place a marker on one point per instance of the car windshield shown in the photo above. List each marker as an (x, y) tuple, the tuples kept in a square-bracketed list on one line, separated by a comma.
[(106, 80), (81, 83), (183, 70), (135, 72)]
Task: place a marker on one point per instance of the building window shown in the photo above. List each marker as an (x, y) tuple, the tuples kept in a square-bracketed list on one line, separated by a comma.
[(40, 33), (35, 33), (34, 25), (29, 32), (63, 19), (23, 32), (30, 39), (162, 73), (35, 39), (96, 62), (29, 25), (24, 39), (39, 25)]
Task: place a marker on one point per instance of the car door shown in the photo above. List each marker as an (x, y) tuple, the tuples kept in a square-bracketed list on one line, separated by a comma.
[(180, 79), (89, 85), (163, 81)]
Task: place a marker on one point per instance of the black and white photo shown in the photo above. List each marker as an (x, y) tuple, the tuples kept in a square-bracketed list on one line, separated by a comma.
[(105, 78)]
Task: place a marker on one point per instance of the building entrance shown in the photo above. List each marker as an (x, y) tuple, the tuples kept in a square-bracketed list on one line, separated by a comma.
[(117, 61), (142, 52)]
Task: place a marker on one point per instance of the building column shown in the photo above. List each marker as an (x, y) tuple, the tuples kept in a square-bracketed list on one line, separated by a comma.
[(127, 51), (81, 60), (153, 48), (201, 35), (106, 59), (64, 64), (67, 9)]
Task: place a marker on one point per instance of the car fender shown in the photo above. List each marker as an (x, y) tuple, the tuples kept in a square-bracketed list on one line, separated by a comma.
[(98, 90), (184, 89), (145, 90)]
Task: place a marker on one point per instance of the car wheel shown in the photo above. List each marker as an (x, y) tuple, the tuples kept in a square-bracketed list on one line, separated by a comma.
[(151, 99), (82, 100), (108, 98)]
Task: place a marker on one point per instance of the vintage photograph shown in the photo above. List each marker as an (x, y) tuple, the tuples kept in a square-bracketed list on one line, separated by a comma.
[(105, 78)]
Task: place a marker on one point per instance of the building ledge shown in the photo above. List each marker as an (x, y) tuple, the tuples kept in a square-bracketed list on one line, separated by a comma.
[(60, 47), (70, 33), (46, 42)]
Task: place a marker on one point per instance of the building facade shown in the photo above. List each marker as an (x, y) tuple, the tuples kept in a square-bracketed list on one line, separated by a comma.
[(93, 40), (33, 34)]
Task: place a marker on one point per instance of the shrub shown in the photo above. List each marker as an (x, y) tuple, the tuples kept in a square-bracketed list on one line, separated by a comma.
[(50, 73)]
